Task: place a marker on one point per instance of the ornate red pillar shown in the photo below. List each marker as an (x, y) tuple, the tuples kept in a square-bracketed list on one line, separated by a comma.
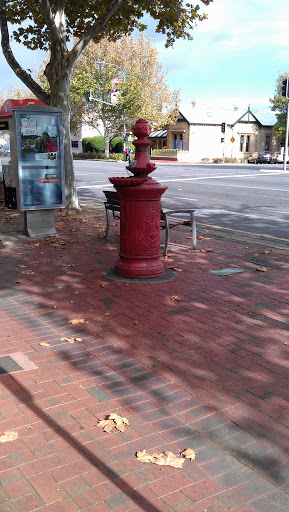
[(139, 255)]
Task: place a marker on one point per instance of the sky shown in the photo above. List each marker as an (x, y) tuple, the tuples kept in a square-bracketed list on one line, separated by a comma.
[(234, 59)]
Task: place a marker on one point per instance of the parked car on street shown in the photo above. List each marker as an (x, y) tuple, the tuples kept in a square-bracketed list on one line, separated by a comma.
[(278, 158), (261, 158)]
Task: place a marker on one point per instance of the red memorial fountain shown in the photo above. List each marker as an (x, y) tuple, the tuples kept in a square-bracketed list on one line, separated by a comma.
[(140, 207)]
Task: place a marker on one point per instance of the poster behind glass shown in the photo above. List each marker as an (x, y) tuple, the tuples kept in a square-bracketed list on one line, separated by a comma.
[(40, 156)]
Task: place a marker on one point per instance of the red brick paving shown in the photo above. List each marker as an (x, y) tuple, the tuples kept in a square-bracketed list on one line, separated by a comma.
[(210, 372)]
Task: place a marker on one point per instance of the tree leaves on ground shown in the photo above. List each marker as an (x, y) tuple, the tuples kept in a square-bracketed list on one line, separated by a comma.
[(8, 435), (113, 421), (165, 458)]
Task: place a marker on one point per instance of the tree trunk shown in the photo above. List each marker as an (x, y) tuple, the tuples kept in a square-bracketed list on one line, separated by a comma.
[(59, 97), (106, 137)]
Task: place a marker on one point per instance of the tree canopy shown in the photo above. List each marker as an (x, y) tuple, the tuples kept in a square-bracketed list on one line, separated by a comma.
[(279, 105), (50, 24), (143, 89)]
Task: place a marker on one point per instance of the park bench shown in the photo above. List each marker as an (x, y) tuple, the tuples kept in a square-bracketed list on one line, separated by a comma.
[(168, 219)]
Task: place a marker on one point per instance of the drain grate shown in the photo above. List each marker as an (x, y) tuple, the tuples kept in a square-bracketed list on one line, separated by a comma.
[(8, 365), (260, 261)]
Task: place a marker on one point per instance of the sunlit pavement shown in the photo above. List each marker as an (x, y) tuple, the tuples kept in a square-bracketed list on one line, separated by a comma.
[(200, 362)]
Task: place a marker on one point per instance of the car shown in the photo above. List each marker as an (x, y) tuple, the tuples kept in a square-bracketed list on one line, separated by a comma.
[(260, 158), (278, 158)]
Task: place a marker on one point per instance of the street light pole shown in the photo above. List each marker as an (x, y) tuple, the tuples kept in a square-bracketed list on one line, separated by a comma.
[(286, 139), (88, 95)]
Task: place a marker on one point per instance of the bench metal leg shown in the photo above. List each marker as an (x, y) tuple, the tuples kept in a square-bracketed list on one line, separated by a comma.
[(194, 230), (167, 234), (107, 221)]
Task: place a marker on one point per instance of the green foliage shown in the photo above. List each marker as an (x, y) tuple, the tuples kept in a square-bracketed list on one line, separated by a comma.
[(279, 105), (88, 156), (116, 156), (93, 144), (230, 160), (175, 19), (217, 160), (164, 151), (96, 156), (116, 145)]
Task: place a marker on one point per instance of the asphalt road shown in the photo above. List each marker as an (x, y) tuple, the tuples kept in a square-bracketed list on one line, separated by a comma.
[(244, 198)]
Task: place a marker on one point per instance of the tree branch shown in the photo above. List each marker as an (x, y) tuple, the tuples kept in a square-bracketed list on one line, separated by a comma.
[(96, 29), (50, 21), (25, 77)]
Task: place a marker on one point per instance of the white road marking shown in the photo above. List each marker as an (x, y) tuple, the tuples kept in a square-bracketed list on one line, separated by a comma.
[(206, 177), (185, 198), (206, 211), (95, 186)]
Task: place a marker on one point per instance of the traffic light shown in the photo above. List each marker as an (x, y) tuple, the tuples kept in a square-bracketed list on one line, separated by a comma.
[(285, 91), (223, 127), (88, 96)]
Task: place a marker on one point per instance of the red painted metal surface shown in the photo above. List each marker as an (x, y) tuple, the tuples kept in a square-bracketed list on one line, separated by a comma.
[(139, 255), (8, 105)]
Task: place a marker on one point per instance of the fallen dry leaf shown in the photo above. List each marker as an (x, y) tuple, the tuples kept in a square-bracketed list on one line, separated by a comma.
[(76, 321), (113, 421), (261, 269), (175, 297), (142, 456), (189, 454), (165, 458), (106, 425), (70, 340), (44, 344), (8, 435), (176, 269), (266, 252), (208, 249), (168, 458)]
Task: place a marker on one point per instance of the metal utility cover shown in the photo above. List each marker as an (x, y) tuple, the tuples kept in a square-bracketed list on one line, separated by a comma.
[(8, 365), (227, 271), (260, 261)]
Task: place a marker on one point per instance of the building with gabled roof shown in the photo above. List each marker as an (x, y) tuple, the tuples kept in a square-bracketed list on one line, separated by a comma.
[(198, 135)]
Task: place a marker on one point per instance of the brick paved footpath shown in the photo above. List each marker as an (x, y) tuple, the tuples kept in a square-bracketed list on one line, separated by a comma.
[(209, 372)]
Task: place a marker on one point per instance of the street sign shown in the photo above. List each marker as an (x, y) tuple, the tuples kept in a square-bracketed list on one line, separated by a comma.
[(232, 139)]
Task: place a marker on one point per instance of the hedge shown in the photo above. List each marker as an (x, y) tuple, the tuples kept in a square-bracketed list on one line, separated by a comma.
[(93, 144)]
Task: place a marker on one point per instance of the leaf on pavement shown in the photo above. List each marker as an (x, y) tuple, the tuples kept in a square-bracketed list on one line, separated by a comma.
[(175, 268), (142, 456), (113, 421), (8, 435), (266, 252), (261, 269), (208, 249), (168, 458), (106, 425), (175, 297), (70, 340), (44, 344), (76, 321), (165, 458), (189, 454)]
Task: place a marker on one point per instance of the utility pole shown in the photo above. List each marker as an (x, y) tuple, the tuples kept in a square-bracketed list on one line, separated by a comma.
[(285, 93), (89, 97)]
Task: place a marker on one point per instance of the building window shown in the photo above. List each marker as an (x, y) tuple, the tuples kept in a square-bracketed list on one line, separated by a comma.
[(242, 140), (74, 143), (248, 143), (267, 143)]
